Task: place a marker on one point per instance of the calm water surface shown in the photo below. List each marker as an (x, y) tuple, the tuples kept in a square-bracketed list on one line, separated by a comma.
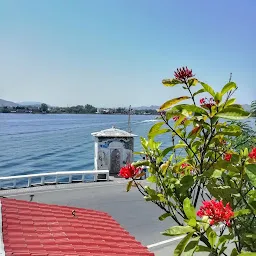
[(31, 143)]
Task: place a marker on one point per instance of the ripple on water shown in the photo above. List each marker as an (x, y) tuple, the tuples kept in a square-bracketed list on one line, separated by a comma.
[(49, 143)]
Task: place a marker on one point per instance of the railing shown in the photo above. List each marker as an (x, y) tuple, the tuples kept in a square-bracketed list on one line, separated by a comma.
[(56, 175)]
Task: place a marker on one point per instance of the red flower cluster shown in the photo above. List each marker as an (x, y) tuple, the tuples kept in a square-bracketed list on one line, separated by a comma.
[(184, 165), (176, 118), (216, 212), (129, 171), (227, 157), (183, 73), (204, 102), (252, 154)]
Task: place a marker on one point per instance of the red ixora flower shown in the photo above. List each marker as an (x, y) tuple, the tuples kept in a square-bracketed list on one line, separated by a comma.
[(183, 73), (216, 212), (208, 103), (252, 154), (184, 165), (129, 171), (176, 118), (227, 157)]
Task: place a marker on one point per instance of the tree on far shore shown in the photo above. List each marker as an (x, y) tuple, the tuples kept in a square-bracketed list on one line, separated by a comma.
[(44, 107)]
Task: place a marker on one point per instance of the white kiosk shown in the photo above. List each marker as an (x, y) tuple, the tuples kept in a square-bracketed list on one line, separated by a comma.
[(113, 149)]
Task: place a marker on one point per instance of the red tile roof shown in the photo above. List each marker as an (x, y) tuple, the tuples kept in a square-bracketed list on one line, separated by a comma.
[(38, 229)]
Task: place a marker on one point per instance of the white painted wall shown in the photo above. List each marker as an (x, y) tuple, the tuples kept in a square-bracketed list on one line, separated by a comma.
[(103, 151)]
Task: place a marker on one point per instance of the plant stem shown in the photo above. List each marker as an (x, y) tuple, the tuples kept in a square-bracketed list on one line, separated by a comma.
[(166, 122)]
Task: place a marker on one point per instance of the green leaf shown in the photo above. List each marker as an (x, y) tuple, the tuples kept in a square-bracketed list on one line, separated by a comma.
[(238, 106), (171, 82), (141, 163), (180, 247), (253, 236), (247, 254), (246, 152), (172, 102), (198, 92), (223, 248), (191, 247), (189, 209), (192, 82), (201, 248), (208, 88), (166, 151), (164, 216), (190, 108), (218, 97), (155, 130), (152, 179), (129, 185), (221, 192), (224, 239), (234, 252), (233, 113), (227, 87), (230, 102), (180, 145), (144, 143), (251, 173), (232, 130), (186, 182), (212, 238), (139, 153), (216, 174), (156, 127), (178, 230), (159, 132), (242, 212), (192, 223)]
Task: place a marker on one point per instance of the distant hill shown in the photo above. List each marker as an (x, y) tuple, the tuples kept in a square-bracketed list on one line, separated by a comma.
[(6, 103), (29, 103)]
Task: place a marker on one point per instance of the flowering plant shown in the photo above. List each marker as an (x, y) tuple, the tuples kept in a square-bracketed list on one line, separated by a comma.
[(201, 169)]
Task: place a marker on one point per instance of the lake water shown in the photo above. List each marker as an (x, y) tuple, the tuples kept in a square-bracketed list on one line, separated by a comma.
[(31, 143)]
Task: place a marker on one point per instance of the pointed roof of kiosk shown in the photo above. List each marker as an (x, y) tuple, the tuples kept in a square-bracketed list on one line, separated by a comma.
[(33, 229), (113, 132)]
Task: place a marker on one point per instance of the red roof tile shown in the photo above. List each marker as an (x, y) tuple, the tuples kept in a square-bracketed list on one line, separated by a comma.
[(33, 229)]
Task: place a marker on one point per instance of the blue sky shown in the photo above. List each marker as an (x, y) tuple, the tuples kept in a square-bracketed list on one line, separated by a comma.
[(116, 52)]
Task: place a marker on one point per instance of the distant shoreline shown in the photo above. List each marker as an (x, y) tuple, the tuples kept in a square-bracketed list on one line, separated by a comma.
[(115, 114)]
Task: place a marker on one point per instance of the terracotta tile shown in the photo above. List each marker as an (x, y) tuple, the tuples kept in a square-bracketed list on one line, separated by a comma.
[(33, 229)]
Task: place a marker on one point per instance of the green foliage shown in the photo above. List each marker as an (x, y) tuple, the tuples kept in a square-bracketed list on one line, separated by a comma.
[(233, 113), (172, 102), (207, 158), (182, 244), (178, 230), (44, 107)]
